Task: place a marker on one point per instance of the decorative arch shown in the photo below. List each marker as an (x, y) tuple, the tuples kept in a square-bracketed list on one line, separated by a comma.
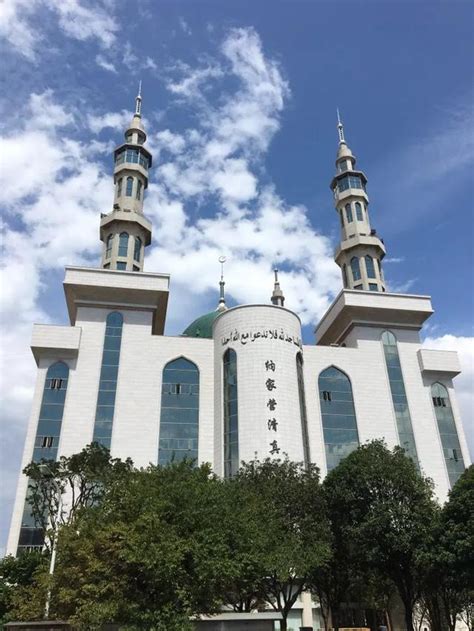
[(231, 413), (129, 186), (179, 420), (355, 267), (349, 213), (137, 250), (344, 276), (123, 244), (339, 420), (358, 209), (369, 266), (139, 189), (119, 187), (108, 246), (447, 432)]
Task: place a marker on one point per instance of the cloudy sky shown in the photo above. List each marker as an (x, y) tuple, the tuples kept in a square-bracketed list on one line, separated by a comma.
[(239, 102)]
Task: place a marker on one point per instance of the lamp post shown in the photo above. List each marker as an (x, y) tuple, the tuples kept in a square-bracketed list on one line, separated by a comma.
[(52, 562)]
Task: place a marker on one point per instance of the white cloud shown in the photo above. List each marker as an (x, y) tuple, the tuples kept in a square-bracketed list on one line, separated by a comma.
[(20, 23), (394, 259), (464, 383), (114, 120), (101, 61)]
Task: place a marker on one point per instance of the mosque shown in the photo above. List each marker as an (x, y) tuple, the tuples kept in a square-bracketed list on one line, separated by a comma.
[(238, 383)]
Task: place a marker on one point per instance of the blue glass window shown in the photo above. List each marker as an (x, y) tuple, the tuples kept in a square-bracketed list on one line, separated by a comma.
[(338, 415), (143, 160), (139, 189), (349, 213), (132, 156), (359, 215), (104, 414), (119, 187), (231, 417), (46, 444), (179, 421), (120, 157), (343, 166), (369, 266), (123, 244), (137, 249), (121, 265), (129, 189), (303, 415), (447, 432), (350, 181), (108, 247), (373, 287), (355, 267), (399, 399)]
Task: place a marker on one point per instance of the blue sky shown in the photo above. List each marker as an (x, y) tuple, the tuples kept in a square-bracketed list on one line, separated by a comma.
[(239, 100)]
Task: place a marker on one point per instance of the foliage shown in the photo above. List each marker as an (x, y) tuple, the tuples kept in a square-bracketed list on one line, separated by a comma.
[(381, 511), (15, 574)]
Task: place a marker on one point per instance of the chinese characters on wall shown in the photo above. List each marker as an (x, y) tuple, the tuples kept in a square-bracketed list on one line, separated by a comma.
[(272, 404)]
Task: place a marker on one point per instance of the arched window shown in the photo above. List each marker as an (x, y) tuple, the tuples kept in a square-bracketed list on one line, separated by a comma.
[(348, 213), (399, 398), (379, 265), (359, 214), (344, 275), (447, 432), (231, 418), (137, 250), (119, 187), (338, 415), (342, 219), (355, 267), (179, 420), (369, 266), (46, 445), (129, 189), (104, 414), (108, 246), (303, 415), (123, 244), (139, 189)]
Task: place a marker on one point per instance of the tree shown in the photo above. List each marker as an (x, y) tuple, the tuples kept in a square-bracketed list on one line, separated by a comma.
[(383, 509), (283, 514), (17, 573)]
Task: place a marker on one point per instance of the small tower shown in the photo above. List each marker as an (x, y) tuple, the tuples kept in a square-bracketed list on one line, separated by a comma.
[(126, 231), (278, 299), (222, 306), (361, 251)]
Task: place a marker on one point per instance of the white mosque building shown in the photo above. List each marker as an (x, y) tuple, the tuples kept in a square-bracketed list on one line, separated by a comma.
[(238, 382)]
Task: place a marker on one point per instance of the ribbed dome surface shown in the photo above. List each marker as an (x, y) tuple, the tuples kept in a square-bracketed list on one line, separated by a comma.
[(202, 326)]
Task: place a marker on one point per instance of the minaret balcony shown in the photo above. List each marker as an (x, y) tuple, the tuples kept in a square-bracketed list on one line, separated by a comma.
[(370, 241), (127, 216)]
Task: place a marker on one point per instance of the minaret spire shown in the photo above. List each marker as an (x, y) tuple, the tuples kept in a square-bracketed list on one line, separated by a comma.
[(361, 251), (222, 306), (125, 231), (278, 299)]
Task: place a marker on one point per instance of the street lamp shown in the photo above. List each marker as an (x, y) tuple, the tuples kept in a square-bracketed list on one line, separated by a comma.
[(45, 467)]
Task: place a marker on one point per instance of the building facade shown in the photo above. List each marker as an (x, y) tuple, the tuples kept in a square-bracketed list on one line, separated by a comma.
[(238, 383)]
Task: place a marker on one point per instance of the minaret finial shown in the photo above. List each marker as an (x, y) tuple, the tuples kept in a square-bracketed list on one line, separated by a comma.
[(222, 306), (278, 299), (340, 127), (138, 100)]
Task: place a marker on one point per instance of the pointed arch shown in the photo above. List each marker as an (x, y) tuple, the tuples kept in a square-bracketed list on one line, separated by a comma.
[(349, 213), (355, 267), (339, 420), (231, 413), (108, 246), (358, 209), (179, 418), (344, 276), (123, 244), (447, 431), (369, 266), (137, 250), (129, 186), (139, 189), (119, 187)]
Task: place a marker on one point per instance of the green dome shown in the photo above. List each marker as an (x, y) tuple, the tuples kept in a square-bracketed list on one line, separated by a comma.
[(202, 326)]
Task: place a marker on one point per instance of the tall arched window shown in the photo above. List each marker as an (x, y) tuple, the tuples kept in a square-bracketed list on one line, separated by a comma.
[(137, 250), (108, 246), (119, 187), (231, 417), (338, 415), (129, 189), (341, 216), (447, 432), (104, 414), (46, 445), (369, 266), (399, 397), (179, 421), (355, 267), (359, 214), (303, 415), (123, 244), (348, 213), (139, 189), (344, 275)]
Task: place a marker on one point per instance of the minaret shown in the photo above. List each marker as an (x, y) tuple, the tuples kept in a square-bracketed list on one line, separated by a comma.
[(222, 306), (126, 231), (361, 251), (278, 299)]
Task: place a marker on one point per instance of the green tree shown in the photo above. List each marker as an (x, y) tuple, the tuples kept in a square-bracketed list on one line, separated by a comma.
[(17, 573), (284, 518), (384, 510)]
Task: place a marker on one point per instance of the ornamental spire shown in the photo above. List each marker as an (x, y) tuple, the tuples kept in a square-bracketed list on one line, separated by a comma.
[(340, 127), (278, 299), (138, 100), (222, 306)]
